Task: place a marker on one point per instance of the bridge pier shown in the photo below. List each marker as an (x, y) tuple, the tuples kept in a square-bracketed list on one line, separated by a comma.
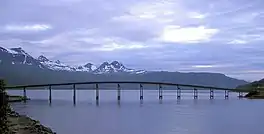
[(158, 85), (97, 93), (211, 94), (118, 92), (160, 92), (240, 95), (195, 93), (50, 94), (74, 94), (24, 95), (226, 94), (178, 92), (141, 92)]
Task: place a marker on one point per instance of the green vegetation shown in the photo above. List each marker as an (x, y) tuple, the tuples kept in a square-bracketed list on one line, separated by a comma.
[(256, 89), (13, 123), (255, 95), (4, 109), (256, 85)]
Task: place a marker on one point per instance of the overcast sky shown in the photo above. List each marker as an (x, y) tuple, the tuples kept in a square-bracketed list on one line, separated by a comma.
[(223, 36)]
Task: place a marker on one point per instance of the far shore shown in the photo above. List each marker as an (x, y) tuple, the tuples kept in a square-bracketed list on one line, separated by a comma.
[(255, 95)]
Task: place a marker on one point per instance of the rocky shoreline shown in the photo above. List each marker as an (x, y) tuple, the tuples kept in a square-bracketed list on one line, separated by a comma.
[(13, 123), (22, 124)]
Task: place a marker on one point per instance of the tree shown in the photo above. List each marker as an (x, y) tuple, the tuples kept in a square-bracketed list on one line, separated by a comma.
[(4, 109)]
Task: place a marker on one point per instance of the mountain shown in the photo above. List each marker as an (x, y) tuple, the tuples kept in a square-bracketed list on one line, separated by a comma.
[(17, 67), (115, 67), (256, 85), (89, 67), (17, 56), (54, 65)]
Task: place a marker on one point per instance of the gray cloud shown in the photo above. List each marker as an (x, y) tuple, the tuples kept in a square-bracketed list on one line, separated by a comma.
[(175, 35)]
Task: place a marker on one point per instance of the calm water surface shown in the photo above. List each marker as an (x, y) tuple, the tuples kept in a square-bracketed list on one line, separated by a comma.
[(187, 116)]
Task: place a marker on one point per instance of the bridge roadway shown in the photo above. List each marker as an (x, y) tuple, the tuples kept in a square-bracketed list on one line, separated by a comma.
[(140, 83)]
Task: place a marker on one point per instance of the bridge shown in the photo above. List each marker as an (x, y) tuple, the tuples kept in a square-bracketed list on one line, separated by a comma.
[(177, 87)]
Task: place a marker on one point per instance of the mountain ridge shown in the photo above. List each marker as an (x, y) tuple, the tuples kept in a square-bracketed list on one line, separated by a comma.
[(57, 65), (19, 68), (255, 85)]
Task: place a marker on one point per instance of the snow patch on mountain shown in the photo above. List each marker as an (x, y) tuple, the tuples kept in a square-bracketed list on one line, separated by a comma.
[(115, 67), (89, 67), (57, 65), (42, 58), (20, 51), (17, 56)]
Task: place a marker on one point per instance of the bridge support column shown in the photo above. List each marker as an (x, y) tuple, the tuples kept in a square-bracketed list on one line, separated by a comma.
[(195, 93), (178, 92), (141, 92), (97, 93), (24, 94), (74, 94), (226, 94), (211, 94), (160, 92), (240, 95), (118, 92), (50, 94)]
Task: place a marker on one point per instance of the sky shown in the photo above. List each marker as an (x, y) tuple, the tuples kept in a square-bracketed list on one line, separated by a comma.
[(223, 36)]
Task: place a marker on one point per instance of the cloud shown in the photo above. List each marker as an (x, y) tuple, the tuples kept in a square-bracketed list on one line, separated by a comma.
[(226, 36), (30, 28), (202, 66), (177, 34), (197, 15), (115, 46), (236, 41)]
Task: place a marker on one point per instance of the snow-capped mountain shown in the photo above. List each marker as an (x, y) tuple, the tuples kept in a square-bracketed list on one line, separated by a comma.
[(89, 67), (113, 67), (19, 56), (58, 65), (54, 65)]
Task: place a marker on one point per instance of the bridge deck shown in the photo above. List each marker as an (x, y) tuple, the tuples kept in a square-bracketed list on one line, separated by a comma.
[(33, 87), (118, 87)]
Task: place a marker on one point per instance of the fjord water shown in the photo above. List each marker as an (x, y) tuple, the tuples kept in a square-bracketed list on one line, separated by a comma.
[(171, 116)]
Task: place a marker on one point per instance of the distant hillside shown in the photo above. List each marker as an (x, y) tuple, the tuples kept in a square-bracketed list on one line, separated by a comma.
[(23, 74), (256, 85)]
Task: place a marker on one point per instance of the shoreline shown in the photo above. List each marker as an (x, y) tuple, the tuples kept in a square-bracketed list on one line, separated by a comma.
[(255, 95), (22, 124)]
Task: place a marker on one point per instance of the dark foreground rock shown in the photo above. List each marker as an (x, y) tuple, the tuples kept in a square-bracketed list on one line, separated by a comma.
[(21, 124), (255, 95)]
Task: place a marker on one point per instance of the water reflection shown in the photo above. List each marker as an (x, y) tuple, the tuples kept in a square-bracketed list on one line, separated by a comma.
[(179, 116), (131, 115)]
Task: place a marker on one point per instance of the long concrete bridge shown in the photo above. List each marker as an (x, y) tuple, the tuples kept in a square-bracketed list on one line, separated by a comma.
[(177, 87)]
